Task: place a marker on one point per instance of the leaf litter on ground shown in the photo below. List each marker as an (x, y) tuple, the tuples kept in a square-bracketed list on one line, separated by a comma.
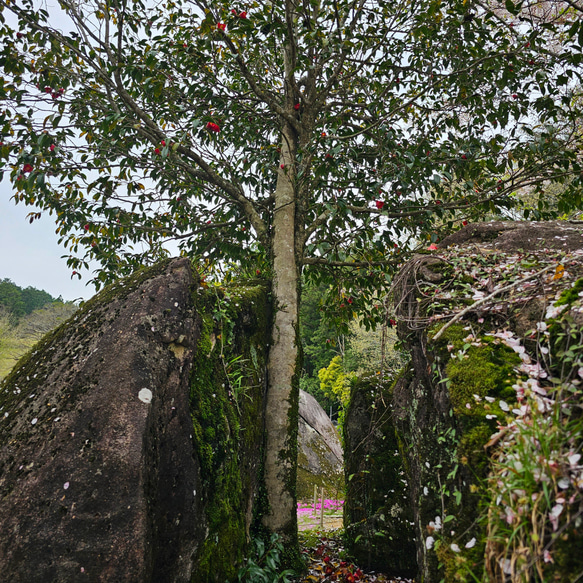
[(327, 561)]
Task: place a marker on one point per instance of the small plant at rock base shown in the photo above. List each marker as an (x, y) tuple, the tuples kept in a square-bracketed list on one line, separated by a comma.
[(263, 566)]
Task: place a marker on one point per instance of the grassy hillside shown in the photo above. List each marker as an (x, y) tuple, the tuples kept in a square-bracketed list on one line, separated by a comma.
[(25, 316)]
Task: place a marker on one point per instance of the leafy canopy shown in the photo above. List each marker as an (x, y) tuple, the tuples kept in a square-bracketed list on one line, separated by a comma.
[(138, 123)]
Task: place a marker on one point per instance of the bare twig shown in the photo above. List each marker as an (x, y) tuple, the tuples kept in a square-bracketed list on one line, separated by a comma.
[(500, 290)]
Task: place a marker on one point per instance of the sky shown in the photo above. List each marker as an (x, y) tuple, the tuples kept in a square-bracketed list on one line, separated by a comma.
[(29, 254)]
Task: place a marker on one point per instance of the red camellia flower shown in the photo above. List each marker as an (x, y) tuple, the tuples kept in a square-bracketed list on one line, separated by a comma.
[(213, 127), (464, 223), (27, 168), (243, 14), (233, 12), (163, 142), (52, 147), (221, 26), (86, 227), (296, 106), (157, 151), (432, 247), (464, 157), (380, 204)]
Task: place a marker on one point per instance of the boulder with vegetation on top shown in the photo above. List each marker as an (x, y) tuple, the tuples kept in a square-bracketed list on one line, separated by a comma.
[(493, 322), (487, 415), (129, 437)]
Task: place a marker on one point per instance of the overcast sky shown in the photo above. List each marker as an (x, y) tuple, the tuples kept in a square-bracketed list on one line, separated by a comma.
[(29, 254)]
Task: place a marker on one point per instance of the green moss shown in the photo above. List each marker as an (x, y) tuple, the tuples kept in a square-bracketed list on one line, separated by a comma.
[(479, 373), (377, 510), (570, 295), (227, 437), (486, 370)]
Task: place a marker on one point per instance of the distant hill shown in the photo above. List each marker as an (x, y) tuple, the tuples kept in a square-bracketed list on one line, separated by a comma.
[(19, 302), (25, 316)]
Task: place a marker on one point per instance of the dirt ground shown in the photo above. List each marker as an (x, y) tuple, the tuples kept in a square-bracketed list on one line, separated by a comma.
[(309, 522)]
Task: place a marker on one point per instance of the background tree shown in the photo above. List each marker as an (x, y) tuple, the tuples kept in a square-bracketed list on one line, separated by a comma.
[(18, 301), (322, 135), (23, 323)]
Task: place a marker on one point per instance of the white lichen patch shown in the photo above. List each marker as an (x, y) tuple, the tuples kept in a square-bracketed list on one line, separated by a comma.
[(145, 395)]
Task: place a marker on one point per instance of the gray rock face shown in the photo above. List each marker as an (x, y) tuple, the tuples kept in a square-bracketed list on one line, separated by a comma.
[(320, 459), (97, 473)]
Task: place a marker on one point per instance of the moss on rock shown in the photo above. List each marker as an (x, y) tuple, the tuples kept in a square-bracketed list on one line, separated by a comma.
[(377, 510), (226, 396)]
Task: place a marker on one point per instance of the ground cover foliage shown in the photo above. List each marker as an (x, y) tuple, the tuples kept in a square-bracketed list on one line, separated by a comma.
[(319, 137)]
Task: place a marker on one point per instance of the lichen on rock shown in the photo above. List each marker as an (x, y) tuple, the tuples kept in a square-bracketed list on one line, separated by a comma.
[(131, 437)]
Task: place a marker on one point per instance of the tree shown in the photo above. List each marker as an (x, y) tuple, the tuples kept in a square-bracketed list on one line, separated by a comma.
[(11, 299), (321, 135), (19, 302)]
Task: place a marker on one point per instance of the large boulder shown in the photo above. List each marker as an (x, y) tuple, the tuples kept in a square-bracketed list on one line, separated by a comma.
[(378, 518), (112, 466), (487, 319), (320, 460)]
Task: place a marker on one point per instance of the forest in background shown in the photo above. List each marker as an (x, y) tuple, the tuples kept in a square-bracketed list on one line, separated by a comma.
[(26, 314)]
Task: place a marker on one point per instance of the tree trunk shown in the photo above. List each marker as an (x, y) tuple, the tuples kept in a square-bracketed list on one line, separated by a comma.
[(283, 364)]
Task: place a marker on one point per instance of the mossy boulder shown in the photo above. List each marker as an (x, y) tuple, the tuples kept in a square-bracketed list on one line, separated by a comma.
[(320, 461), (130, 437), (378, 517), (472, 315)]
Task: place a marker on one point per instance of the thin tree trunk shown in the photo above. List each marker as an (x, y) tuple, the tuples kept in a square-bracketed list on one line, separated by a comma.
[(283, 375)]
